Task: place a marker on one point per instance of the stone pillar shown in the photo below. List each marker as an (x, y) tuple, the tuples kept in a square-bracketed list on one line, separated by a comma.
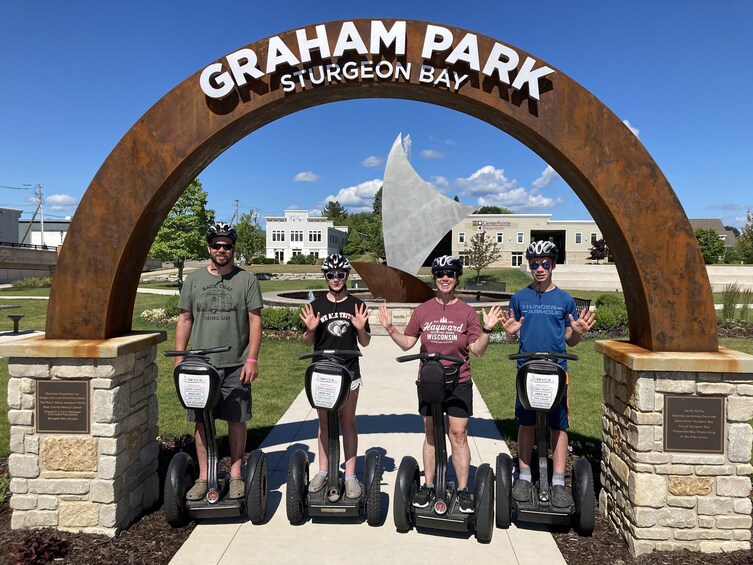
[(662, 500), (97, 482)]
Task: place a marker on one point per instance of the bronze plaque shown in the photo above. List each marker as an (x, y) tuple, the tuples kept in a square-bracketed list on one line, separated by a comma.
[(694, 424), (62, 407)]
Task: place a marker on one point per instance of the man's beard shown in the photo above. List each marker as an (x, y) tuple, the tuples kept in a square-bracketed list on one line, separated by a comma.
[(227, 258)]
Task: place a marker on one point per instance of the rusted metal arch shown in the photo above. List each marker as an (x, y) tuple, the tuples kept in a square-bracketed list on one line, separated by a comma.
[(636, 209)]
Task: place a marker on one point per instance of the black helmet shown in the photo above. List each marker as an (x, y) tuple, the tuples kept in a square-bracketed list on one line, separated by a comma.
[(336, 262), (541, 249), (221, 228), (447, 262)]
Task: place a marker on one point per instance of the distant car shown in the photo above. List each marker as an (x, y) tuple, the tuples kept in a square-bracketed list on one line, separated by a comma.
[(264, 276)]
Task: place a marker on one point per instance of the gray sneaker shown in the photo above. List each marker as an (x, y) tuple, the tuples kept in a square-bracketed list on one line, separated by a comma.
[(317, 483), (352, 488), (521, 491), (198, 490), (560, 497)]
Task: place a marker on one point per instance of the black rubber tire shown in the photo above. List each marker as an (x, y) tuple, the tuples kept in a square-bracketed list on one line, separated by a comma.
[(503, 478), (584, 518), (373, 486), (181, 474), (406, 485), (298, 480), (256, 486), (483, 488)]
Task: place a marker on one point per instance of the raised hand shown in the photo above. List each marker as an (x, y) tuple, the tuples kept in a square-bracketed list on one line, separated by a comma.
[(307, 317), (492, 317), (584, 323), (361, 317), (509, 323), (385, 316)]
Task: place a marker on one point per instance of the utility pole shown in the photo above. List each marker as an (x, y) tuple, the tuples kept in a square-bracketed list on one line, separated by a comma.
[(235, 214), (40, 203)]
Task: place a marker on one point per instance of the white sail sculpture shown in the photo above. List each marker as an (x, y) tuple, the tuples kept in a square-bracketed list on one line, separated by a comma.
[(415, 216)]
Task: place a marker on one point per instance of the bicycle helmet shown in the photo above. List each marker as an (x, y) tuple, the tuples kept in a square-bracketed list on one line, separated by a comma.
[(541, 249), (336, 261), (447, 262), (221, 229)]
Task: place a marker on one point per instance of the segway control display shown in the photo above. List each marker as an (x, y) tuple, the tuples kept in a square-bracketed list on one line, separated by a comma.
[(326, 389), (542, 390), (194, 389)]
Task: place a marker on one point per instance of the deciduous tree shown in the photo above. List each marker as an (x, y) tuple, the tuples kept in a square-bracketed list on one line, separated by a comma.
[(251, 238), (712, 246), (183, 233), (482, 252)]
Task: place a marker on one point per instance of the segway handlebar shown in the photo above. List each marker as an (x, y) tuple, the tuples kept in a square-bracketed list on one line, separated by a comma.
[(424, 356), (330, 353), (198, 352), (543, 355)]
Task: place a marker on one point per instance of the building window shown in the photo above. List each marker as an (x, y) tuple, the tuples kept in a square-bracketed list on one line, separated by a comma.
[(280, 255), (578, 237), (296, 235), (278, 235), (461, 237), (316, 255), (464, 259), (517, 258), (315, 236), (500, 238), (520, 237), (593, 239), (296, 252)]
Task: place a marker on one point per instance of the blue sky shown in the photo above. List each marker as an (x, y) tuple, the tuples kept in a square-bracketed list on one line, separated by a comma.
[(77, 76)]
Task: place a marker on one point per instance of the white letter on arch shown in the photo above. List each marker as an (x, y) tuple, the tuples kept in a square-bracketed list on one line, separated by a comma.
[(222, 78), (320, 43), (278, 53), (349, 40), (379, 34), (437, 39), (240, 70), (494, 62), (466, 50)]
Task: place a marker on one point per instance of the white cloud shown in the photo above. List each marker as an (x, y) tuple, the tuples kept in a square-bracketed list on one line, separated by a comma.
[(359, 198), (440, 182), (306, 176), (61, 201), (632, 128), (545, 178), (372, 161), (432, 154), (491, 187)]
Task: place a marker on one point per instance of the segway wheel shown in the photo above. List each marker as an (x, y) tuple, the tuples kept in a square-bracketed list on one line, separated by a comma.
[(256, 486), (373, 486), (583, 495), (406, 485), (180, 477), (504, 491), (298, 479), (483, 489)]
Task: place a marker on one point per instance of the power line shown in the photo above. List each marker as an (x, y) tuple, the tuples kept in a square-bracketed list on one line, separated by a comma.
[(15, 187)]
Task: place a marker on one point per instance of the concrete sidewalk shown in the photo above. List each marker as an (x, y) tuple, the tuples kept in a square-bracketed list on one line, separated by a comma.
[(387, 420)]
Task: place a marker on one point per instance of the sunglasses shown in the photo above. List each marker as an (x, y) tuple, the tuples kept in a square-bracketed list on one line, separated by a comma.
[(226, 246), (545, 265), (442, 274), (338, 276)]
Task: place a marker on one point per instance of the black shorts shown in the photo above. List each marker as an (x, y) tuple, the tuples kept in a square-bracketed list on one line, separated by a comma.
[(458, 404), (235, 403)]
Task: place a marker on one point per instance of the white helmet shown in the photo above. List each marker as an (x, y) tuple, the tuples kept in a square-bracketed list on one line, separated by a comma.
[(541, 249)]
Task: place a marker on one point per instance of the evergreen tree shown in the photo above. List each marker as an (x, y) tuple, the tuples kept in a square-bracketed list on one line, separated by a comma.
[(599, 251), (183, 233), (335, 212)]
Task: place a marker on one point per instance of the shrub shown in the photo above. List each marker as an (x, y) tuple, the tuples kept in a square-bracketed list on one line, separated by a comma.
[(34, 282), (159, 317), (281, 319), (302, 260), (264, 261), (611, 317), (746, 296), (609, 300), (171, 305)]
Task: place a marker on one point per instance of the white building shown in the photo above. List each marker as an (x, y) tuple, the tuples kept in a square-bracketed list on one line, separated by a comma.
[(513, 232), (297, 233)]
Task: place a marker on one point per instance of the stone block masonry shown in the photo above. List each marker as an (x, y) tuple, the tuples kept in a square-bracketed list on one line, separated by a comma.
[(98, 482), (661, 500)]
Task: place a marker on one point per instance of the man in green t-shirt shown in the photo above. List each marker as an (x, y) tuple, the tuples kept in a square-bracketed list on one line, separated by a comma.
[(221, 305)]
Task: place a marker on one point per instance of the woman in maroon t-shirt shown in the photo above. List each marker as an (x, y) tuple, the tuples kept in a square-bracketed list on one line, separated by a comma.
[(447, 325)]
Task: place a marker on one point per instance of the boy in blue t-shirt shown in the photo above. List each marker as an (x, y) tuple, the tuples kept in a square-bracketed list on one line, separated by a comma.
[(544, 318)]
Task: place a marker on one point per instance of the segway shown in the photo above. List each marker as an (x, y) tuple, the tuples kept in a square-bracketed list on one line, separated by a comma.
[(198, 385), (444, 513), (540, 386), (327, 388)]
